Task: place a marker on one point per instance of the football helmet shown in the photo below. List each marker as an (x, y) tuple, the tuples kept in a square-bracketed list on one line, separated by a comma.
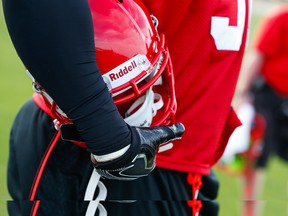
[(134, 62)]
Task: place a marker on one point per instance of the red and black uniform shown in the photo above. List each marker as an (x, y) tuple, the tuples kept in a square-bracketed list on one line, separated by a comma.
[(55, 41), (67, 169), (270, 41), (207, 55), (206, 40), (271, 96), (206, 68)]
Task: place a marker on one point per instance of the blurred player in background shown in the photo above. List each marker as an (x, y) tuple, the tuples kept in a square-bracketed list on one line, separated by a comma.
[(265, 79), (75, 100)]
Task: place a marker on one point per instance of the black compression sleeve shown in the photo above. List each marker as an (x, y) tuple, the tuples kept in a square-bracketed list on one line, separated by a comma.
[(54, 39)]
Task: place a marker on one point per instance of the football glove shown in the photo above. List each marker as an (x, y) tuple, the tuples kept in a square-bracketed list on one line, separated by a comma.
[(145, 160)]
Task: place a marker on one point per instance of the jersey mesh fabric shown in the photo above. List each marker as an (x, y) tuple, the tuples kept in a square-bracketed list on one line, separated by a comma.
[(205, 80)]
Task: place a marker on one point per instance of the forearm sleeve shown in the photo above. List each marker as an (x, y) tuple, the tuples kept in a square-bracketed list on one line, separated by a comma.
[(55, 41)]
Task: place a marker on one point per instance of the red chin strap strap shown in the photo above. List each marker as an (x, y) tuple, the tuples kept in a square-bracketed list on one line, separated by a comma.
[(38, 99), (39, 174), (195, 180), (41, 103)]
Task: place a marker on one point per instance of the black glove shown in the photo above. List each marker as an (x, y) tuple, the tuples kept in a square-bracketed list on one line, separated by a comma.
[(144, 161)]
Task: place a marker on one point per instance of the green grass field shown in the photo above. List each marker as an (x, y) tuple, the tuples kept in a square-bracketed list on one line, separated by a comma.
[(15, 89), (274, 197)]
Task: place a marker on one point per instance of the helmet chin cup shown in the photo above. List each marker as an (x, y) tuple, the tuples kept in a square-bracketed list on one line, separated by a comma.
[(147, 105)]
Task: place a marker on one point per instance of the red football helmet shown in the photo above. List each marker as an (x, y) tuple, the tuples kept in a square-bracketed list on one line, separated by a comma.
[(134, 62), (132, 56)]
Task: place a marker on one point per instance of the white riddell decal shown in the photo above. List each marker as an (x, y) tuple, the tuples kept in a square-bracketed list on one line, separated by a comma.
[(123, 71), (126, 71)]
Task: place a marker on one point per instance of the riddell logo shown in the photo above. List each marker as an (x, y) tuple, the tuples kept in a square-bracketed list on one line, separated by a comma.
[(123, 71)]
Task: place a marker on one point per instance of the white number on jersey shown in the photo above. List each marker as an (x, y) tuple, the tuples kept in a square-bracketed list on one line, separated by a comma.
[(95, 204), (229, 37)]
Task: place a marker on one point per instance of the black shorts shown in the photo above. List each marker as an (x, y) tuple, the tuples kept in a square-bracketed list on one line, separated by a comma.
[(164, 192), (66, 173), (69, 178), (275, 111)]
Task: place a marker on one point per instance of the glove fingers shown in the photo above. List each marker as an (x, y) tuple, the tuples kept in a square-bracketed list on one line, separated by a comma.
[(158, 135), (144, 161), (174, 131)]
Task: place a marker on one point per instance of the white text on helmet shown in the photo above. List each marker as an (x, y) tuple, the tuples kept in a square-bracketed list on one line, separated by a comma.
[(127, 71), (122, 71)]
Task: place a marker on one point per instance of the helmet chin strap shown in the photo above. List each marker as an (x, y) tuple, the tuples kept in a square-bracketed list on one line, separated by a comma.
[(151, 103)]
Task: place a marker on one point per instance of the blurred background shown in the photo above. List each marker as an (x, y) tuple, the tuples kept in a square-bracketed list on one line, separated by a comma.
[(273, 192), (16, 88)]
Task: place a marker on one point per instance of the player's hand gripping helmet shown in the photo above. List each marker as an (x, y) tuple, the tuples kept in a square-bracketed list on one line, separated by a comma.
[(134, 62)]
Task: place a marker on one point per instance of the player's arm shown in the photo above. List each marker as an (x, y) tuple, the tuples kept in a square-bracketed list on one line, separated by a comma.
[(55, 41)]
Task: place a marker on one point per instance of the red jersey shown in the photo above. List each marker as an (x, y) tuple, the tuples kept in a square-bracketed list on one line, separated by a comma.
[(272, 42), (206, 40)]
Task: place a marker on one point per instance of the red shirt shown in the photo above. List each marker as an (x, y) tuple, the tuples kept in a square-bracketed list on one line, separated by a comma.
[(205, 74), (272, 42)]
